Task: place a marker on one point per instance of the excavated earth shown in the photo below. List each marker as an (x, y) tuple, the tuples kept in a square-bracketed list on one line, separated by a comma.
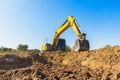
[(99, 64)]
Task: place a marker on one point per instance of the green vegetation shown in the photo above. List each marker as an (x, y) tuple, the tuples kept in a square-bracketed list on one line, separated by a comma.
[(68, 49), (22, 47), (4, 49), (107, 46)]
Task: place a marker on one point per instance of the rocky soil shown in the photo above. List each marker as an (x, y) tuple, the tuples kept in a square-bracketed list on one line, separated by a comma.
[(99, 64)]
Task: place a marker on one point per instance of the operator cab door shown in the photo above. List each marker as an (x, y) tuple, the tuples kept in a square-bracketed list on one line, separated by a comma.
[(61, 44)]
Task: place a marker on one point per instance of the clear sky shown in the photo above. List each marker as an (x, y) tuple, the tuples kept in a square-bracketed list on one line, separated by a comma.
[(33, 21)]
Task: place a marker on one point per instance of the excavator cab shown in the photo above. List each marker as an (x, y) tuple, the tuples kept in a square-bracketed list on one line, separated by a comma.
[(61, 44)]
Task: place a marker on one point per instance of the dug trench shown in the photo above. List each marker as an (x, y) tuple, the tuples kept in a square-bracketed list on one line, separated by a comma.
[(99, 64)]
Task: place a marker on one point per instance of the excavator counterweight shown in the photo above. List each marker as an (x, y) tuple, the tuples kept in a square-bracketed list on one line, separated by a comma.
[(81, 44)]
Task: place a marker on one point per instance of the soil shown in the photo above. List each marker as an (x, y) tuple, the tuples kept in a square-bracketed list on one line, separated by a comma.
[(99, 64)]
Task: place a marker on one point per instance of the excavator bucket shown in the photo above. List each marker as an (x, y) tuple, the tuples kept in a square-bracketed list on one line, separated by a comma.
[(81, 45)]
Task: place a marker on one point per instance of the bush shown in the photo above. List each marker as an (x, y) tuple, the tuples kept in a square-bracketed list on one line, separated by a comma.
[(107, 46), (3, 49), (22, 47), (68, 49)]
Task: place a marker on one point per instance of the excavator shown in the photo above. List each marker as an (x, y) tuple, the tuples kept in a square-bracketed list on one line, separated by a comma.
[(81, 44)]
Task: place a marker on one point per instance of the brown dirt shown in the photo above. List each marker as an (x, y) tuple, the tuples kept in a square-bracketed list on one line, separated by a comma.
[(99, 64)]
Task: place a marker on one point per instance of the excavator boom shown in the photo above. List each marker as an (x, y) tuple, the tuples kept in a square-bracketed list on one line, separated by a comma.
[(70, 22)]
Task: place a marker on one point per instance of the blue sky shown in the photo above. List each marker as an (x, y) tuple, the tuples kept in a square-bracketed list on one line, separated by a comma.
[(33, 21)]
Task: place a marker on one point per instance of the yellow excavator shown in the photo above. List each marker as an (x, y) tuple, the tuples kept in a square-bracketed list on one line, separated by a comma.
[(81, 44)]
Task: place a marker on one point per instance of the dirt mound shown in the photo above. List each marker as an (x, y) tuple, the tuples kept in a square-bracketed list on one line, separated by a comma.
[(12, 61), (100, 64)]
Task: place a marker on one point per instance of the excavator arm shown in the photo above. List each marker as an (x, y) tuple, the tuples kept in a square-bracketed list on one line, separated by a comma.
[(70, 22)]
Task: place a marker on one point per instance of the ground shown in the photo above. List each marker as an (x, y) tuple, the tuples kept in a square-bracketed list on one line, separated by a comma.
[(99, 64)]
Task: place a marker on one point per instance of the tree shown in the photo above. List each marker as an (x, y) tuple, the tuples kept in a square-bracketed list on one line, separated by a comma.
[(68, 49), (22, 47), (3, 49)]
